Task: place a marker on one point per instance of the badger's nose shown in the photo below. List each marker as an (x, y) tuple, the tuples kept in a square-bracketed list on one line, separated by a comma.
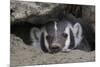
[(55, 48)]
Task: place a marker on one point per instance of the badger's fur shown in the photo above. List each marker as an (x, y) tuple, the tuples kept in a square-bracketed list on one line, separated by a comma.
[(65, 35)]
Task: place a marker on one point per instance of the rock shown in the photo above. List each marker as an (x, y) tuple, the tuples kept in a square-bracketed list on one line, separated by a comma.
[(22, 9), (40, 13)]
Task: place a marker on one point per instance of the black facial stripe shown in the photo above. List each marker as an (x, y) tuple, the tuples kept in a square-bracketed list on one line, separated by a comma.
[(42, 43), (72, 42)]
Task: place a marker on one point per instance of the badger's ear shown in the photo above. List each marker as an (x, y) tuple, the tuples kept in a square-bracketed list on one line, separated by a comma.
[(77, 30), (35, 34)]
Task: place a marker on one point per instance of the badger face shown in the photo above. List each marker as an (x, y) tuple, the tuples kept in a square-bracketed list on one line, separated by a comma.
[(61, 36)]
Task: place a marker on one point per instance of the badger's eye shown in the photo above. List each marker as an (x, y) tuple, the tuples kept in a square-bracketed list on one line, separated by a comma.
[(47, 37), (65, 35)]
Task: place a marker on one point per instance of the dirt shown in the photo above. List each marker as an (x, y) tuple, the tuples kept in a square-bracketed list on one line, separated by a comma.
[(25, 55)]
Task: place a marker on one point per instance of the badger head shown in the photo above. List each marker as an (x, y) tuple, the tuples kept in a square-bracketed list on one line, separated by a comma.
[(60, 36)]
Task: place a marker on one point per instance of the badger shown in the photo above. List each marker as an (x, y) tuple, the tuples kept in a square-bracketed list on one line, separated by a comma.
[(63, 36)]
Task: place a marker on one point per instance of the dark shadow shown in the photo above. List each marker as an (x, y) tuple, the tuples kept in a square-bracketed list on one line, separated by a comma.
[(22, 30)]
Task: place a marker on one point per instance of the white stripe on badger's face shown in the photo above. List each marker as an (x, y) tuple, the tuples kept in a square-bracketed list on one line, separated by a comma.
[(55, 26), (67, 42), (46, 42)]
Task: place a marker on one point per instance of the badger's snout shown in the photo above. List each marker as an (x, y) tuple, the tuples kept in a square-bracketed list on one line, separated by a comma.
[(55, 47)]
